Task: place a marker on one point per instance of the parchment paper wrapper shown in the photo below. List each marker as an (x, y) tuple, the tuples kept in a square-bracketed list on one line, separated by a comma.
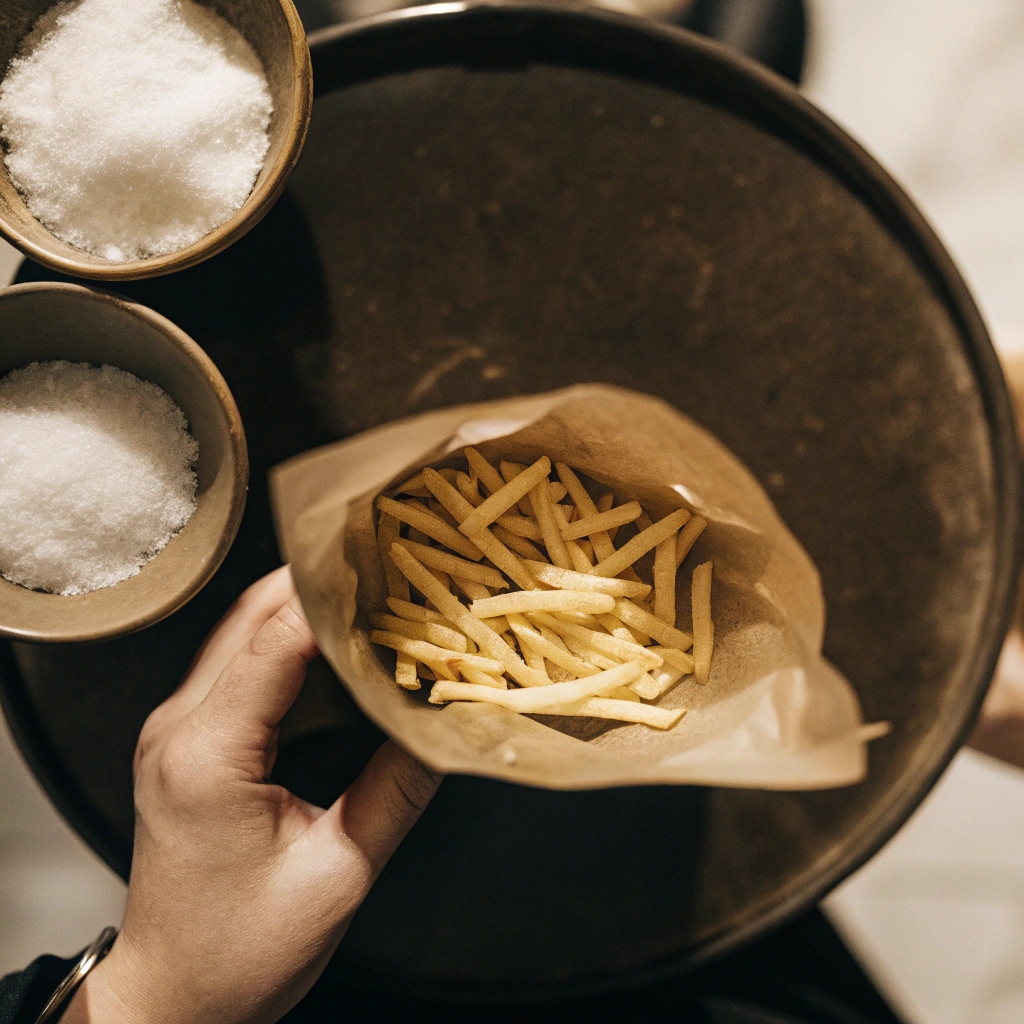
[(774, 714)]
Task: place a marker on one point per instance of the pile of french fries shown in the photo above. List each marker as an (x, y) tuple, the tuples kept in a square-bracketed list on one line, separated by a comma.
[(557, 619)]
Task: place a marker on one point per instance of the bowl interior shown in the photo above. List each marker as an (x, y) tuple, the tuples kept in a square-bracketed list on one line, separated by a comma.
[(40, 322), (273, 29)]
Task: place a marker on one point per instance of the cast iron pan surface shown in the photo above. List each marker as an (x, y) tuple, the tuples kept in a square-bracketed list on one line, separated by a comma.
[(506, 200)]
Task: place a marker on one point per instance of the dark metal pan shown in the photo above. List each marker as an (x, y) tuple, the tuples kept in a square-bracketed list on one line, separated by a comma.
[(499, 200)]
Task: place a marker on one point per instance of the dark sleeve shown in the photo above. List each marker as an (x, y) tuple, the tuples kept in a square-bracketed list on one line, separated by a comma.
[(23, 996)]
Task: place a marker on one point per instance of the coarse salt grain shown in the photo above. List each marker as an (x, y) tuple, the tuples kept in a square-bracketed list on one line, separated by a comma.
[(134, 128), (96, 475)]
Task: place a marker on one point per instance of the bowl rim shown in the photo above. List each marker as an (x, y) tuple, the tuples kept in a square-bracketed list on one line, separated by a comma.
[(782, 110), (256, 206), (207, 371)]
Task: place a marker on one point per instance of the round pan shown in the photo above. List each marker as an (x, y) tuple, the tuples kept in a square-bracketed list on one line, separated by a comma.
[(495, 201)]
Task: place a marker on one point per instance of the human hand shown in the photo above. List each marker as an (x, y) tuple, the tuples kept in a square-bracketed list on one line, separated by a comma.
[(239, 891)]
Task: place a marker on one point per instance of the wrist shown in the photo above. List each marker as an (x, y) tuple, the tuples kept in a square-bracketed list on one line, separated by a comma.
[(108, 995)]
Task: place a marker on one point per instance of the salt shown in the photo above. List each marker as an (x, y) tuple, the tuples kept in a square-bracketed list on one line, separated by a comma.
[(96, 475), (133, 128)]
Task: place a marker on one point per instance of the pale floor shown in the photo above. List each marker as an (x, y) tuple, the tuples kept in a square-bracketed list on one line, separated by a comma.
[(934, 89)]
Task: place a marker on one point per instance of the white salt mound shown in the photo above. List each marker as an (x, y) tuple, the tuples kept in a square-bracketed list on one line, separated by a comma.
[(133, 128), (96, 475)]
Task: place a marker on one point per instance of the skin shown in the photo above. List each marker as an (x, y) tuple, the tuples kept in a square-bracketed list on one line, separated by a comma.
[(239, 891)]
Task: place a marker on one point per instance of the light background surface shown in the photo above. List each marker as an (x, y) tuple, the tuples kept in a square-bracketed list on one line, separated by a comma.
[(936, 91)]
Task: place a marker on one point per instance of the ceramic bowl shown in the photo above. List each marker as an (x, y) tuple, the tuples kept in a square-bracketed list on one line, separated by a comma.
[(41, 322), (274, 30)]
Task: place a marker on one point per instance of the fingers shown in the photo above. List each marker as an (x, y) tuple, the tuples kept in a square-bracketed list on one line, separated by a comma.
[(252, 694), (243, 620), (382, 805)]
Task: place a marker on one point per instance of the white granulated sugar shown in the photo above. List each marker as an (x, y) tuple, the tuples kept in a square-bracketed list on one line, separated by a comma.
[(96, 475), (133, 128)]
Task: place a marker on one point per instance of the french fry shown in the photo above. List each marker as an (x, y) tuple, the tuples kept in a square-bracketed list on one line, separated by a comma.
[(468, 489), (487, 474), (431, 632), (622, 631), (542, 601), (604, 503), (473, 590), (454, 566), (641, 544), (560, 656), (703, 627), (620, 711), (521, 526), (414, 483), (688, 536), (430, 653), (664, 679), (612, 646), (474, 675), (665, 580), (486, 541), (405, 672), (666, 635), (579, 560), (520, 545), (568, 579), (602, 521), (387, 533), (414, 612), (543, 507), (679, 659), (426, 522), (502, 500), (536, 699), (440, 511), (509, 471), (486, 639)]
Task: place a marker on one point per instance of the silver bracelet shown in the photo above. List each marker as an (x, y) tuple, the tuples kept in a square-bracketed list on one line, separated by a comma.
[(89, 959)]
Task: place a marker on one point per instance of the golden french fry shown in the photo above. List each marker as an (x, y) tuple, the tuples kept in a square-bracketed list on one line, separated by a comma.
[(487, 474), (534, 700), (426, 522), (622, 631), (387, 533), (688, 536), (703, 627), (510, 470), (405, 672), (543, 508), (468, 489), (645, 687), (619, 711), (543, 601), (431, 632), (501, 501), (414, 612), (521, 526), (485, 540), (440, 511), (604, 503), (641, 544), (414, 483), (579, 560), (665, 580), (474, 675), (612, 646), (602, 522), (519, 545), (421, 650), (488, 641), (473, 590), (560, 656), (675, 657), (568, 579), (666, 635), (665, 678), (434, 558)]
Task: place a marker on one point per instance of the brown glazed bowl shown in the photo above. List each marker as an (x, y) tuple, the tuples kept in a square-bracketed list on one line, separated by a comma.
[(275, 32), (65, 321)]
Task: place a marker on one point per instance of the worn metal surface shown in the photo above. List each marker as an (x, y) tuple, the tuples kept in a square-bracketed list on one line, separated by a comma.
[(504, 201)]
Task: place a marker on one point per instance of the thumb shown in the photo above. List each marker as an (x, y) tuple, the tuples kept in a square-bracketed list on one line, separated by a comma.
[(380, 807)]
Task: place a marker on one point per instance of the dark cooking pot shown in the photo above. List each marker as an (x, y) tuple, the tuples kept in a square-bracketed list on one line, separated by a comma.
[(499, 200)]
